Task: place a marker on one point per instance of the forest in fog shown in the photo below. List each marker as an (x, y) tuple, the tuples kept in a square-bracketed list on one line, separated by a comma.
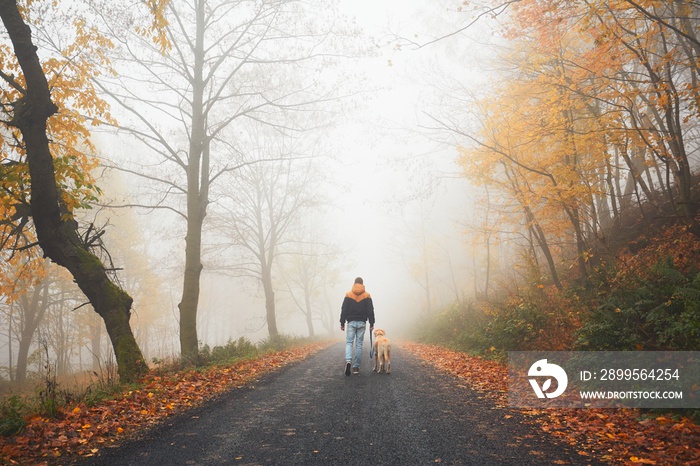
[(180, 175)]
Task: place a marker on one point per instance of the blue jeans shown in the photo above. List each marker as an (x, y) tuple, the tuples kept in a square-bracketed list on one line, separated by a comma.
[(355, 333)]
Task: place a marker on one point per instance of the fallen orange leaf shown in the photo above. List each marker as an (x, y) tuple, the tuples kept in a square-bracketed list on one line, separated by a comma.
[(634, 459)]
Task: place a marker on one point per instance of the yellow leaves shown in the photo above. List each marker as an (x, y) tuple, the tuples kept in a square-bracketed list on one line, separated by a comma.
[(636, 460), (69, 71), (20, 273), (662, 100), (553, 132), (156, 30), (73, 55)]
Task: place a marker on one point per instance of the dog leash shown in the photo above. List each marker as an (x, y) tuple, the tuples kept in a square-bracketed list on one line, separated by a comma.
[(371, 346)]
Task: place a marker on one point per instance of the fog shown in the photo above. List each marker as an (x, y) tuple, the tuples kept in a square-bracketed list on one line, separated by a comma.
[(387, 201), (187, 183), (393, 201), (402, 183)]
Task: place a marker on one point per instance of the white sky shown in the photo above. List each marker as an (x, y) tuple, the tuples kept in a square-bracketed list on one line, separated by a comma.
[(381, 160)]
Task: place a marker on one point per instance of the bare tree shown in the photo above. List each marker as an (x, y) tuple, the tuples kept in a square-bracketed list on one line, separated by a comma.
[(264, 203), (231, 61), (63, 330), (310, 267), (32, 307)]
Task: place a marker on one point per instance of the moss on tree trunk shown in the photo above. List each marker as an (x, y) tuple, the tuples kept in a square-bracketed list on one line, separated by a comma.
[(55, 227)]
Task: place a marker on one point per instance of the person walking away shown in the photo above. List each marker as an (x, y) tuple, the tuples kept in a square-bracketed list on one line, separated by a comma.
[(356, 310)]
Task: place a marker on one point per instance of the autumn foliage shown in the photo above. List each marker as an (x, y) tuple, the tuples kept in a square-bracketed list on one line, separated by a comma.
[(584, 152), (652, 300), (619, 436), (69, 70), (81, 430), (589, 130), (50, 58)]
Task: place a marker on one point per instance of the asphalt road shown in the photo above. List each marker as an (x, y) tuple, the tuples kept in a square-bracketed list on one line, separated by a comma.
[(311, 413)]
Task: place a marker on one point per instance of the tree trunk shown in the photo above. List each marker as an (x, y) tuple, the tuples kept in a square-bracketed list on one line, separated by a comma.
[(581, 246), (197, 200), (96, 345), (22, 356), (684, 178), (55, 227), (33, 311), (189, 344), (309, 315), (544, 246), (426, 270), (269, 303), (612, 181), (536, 230), (487, 276), (9, 345), (332, 316)]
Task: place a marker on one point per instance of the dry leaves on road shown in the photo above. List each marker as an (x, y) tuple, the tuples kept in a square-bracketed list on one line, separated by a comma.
[(82, 431), (621, 436)]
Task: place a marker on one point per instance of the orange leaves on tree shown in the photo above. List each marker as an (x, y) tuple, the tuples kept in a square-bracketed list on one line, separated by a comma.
[(19, 274), (156, 30), (73, 56), (69, 62), (584, 115)]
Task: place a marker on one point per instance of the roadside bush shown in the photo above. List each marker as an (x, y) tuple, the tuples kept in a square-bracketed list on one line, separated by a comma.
[(233, 349), (280, 342), (538, 319), (658, 310), (517, 327), (526, 320), (460, 326), (12, 412)]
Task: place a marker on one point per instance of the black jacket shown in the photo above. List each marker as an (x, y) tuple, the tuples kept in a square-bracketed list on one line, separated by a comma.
[(357, 306)]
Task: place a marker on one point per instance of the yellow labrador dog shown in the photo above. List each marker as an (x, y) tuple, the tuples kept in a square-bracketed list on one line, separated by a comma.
[(382, 352)]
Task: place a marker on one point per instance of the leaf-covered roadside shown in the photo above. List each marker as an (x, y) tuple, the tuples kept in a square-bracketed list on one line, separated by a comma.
[(81, 431), (619, 436)]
